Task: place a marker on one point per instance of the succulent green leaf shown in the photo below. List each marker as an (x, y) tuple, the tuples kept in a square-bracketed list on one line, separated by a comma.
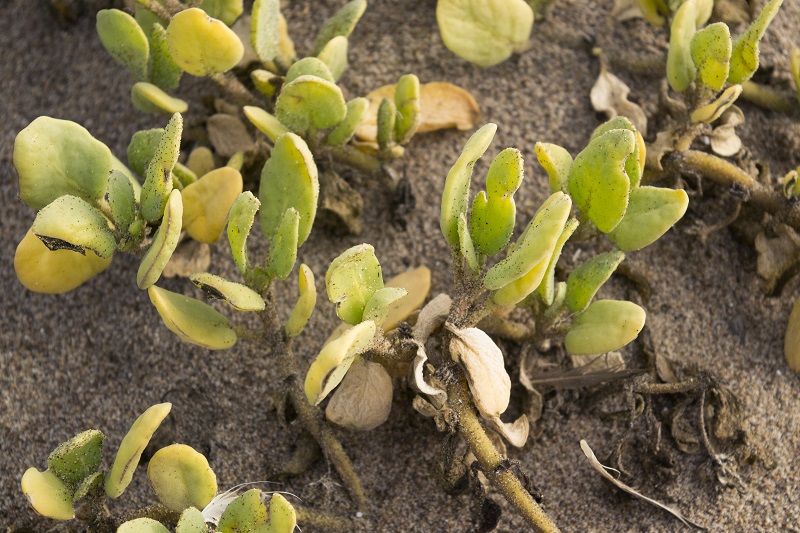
[(142, 148), (547, 289), (310, 102), (164, 243), (334, 55), (266, 123), (795, 67), (345, 130), (181, 478), (201, 45), (653, 11), (534, 246), (634, 166), (681, 71), (264, 29), (379, 303), (78, 458), (711, 112), (244, 514), (158, 175), (57, 157), (387, 115), (131, 448), (92, 484), (148, 98), (598, 182), (407, 102), (207, 201), (494, 212), (47, 494), (71, 223), (266, 82), (744, 56), (142, 525), (557, 163), (146, 18), (162, 70), (192, 320), (465, 246), (515, 291), (282, 516), (351, 280), (341, 23), (651, 212), (121, 199), (191, 521), (283, 251), (225, 10), (455, 196), (711, 52), (604, 326), (240, 222), (119, 166), (484, 32), (289, 179), (305, 303), (584, 282), (335, 359), (236, 295), (184, 174), (309, 66), (124, 40)]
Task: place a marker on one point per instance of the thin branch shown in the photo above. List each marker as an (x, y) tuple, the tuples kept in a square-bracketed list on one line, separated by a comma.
[(768, 98)]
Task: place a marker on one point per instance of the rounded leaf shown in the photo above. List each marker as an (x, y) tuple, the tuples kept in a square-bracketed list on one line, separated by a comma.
[(310, 102), (57, 157), (240, 221), (711, 53), (308, 66), (40, 269), (604, 326), (547, 289), (264, 34), (192, 320), (225, 10), (494, 214), (282, 516), (163, 71), (651, 213), (78, 458), (124, 40), (407, 101), (207, 202), (267, 124), (181, 477), (236, 295), (164, 243), (341, 23), (378, 305), (557, 162), (47, 494), (363, 400), (485, 367), (334, 55), (244, 513), (345, 130), (201, 45), (149, 98), (131, 448), (191, 521), (584, 282), (484, 32), (71, 223), (351, 280), (121, 199), (142, 525)]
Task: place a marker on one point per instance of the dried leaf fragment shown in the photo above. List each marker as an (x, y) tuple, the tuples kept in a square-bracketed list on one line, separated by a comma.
[(609, 95), (485, 367), (724, 140), (777, 255), (364, 398)]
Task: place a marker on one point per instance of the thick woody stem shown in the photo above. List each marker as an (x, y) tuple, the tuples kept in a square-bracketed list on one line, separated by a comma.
[(491, 462), (319, 521)]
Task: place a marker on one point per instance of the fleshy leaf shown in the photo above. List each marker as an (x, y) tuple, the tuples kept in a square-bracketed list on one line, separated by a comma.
[(92, 484), (201, 161), (57, 157), (148, 98), (305, 303), (363, 400), (456, 188), (158, 176), (245, 513), (240, 221), (465, 246), (417, 283), (584, 282), (634, 166), (711, 112), (515, 291), (266, 123), (201, 45), (142, 525), (142, 148), (407, 102), (744, 56), (42, 270), (557, 163), (651, 212), (191, 521), (604, 326), (164, 243), (162, 69), (236, 295), (78, 458), (289, 179), (282, 516), (598, 182), (264, 29), (47, 494), (283, 250), (207, 201), (121, 199), (494, 213), (547, 290), (379, 303), (309, 66), (71, 223), (131, 448), (711, 53), (484, 32), (181, 478), (344, 131), (341, 23), (681, 71), (337, 354), (124, 40), (192, 320), (351, 280), (310, 102), (334, 55), (225, 10), (387, 115)]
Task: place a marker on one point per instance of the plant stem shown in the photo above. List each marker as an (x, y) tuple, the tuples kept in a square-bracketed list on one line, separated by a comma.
[(320, 521), (232, 87), (354, 157), (156, 8), (767, 97), (491, 461)]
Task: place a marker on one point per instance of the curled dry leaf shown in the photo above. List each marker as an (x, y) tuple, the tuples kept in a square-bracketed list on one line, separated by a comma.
[(791, 342), (190, 257), (423, 407), (612, 361), (516, 432), (442, 106), (228, 135), (724, 140), (626, 10), (622, 486), (609, 95), (364, 398), (419, 383), (485, 367), (777, 255), (432, 317)]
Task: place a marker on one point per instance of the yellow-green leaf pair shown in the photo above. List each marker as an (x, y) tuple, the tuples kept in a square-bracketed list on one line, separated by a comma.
[(248, 513), (352, 280)]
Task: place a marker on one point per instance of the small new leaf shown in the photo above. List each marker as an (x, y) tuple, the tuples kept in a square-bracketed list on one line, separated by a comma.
[(124, 40)]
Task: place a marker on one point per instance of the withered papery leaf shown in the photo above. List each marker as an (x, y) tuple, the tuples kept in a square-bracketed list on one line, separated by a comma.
[(364, 398)]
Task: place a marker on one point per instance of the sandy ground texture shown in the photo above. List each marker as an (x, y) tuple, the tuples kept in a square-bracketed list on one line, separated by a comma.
[(97, 357)]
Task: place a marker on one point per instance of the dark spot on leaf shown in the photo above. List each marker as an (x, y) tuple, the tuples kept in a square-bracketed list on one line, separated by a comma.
[(57, 244)]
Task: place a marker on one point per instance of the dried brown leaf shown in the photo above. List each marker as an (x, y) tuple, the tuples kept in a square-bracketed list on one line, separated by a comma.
[(609, 95), (363, 400), (228, 135), (778, 255), (516, 433), (724, 140), (432, 317)]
